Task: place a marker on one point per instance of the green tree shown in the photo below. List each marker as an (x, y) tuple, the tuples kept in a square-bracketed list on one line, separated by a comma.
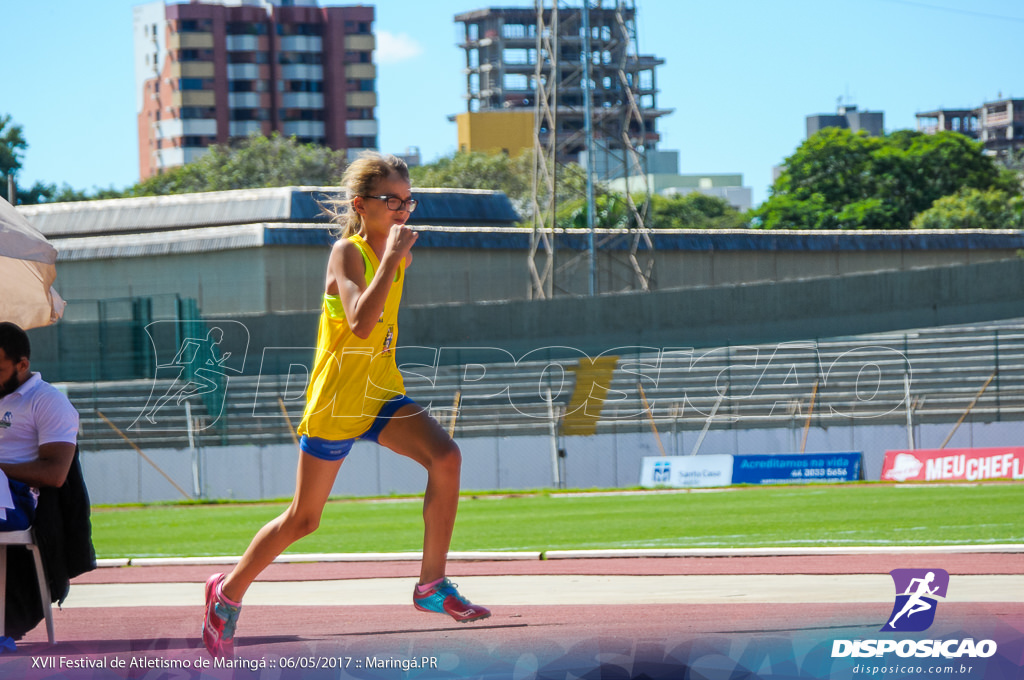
[(611, 211), (40, 192), (694, 211), (1013, 166), (12, 147), (499, 172), (254, 162), (974, 209), (838, 179), (688, 211), (477, 170), (944, 164), (834, 163)]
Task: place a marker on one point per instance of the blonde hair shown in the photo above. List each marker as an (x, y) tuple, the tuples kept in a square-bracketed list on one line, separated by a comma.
[(361, 178)]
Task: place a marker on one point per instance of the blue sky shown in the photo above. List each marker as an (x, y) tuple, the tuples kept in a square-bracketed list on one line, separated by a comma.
[(740, 75)]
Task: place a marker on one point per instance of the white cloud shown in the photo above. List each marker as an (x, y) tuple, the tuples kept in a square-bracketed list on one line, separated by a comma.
[(393, 48)]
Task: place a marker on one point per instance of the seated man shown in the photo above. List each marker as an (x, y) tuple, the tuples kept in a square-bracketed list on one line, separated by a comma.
[(38, 428), (38, 435)]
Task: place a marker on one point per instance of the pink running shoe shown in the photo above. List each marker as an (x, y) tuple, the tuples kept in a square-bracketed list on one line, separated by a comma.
[(220, 620), (445, 599)]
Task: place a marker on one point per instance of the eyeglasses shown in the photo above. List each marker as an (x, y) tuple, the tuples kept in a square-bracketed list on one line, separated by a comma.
[(394, 203)]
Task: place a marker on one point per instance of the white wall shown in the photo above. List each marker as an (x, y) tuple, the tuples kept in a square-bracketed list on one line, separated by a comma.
[(493, 463)]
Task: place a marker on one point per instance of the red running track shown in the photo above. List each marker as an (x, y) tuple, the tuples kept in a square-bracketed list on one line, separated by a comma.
[(525, 641)]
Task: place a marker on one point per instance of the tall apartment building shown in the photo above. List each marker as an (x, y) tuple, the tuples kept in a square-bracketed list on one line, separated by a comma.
[(998, 125), (211, 71), (501, 51)]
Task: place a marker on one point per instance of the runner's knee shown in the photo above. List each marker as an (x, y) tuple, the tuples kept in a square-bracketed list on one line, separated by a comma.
[(446, 457), (302, 524)]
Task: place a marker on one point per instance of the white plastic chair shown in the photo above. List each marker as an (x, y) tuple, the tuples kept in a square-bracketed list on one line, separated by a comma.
[(26, 538)]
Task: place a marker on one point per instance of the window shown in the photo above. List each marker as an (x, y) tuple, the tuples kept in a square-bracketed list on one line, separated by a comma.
[(514, 81), (305, 86), (363, 85), (246, 28), (196, 112), (517, 56), (289, 115), (195, 55), (310, 58), (250, 114), (513, 30), (195, 26), (299, 29), (357, 27), (195, 84)]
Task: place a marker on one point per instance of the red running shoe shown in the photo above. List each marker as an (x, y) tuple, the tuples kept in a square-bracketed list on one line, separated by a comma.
[(219, 622), (445, 599)]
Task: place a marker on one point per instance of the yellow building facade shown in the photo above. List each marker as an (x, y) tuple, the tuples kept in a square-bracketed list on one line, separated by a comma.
[(509, 132)]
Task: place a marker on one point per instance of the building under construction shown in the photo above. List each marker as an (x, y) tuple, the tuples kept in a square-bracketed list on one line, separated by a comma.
[(998, 125), (578, 73), (503, 75)]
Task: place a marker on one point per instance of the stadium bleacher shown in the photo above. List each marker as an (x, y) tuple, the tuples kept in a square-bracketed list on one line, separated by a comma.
[(856, 380)]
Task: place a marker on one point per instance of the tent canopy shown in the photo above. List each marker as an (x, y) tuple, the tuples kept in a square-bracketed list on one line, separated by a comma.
[(27, 272)]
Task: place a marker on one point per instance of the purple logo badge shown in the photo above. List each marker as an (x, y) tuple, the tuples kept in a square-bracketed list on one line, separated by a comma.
[(916, 593)]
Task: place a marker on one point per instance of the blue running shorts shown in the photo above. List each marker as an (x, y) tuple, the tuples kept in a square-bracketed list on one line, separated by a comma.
[(333, 449)]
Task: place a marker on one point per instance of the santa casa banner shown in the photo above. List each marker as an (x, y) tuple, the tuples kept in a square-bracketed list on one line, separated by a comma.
[(726, 469), (928, 465)]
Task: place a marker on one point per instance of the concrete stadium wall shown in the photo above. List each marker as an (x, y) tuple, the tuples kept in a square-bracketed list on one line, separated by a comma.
[(730, 315), (493, 463), (698, 317), (471, 266)]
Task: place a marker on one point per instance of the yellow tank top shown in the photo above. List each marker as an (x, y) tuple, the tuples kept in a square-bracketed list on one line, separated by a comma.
[(352, 377)]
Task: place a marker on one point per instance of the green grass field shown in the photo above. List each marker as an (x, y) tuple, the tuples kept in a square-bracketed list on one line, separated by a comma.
[(818, 515)]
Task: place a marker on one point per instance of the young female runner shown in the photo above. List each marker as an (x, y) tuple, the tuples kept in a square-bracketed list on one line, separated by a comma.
[(356, 392)]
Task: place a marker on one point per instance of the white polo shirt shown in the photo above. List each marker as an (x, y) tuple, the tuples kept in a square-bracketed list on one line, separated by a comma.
[(36, 413)]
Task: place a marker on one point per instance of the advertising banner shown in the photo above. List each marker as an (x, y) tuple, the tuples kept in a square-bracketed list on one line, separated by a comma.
[(686, 471), (927, 465), (795, 468)]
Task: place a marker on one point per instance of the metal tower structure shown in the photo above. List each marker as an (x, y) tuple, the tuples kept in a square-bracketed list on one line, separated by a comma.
[(593, 93)]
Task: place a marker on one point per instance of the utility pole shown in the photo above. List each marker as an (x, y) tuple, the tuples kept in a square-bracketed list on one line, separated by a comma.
[(588, 127)]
